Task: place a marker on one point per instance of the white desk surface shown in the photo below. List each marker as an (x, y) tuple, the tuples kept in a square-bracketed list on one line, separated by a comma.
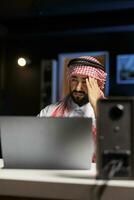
[(60, 184), (68, 176)]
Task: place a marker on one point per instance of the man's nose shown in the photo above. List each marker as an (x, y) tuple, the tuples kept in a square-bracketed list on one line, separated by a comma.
[(79, 86)]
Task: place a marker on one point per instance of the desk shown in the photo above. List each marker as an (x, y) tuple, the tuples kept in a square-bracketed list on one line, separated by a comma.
[(52, 184), (59, 184)]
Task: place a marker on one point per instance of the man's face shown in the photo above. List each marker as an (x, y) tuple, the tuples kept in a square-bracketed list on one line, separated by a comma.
[(78, 89)]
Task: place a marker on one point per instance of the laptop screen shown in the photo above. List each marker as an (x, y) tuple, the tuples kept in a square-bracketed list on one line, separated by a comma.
[(46, 143)]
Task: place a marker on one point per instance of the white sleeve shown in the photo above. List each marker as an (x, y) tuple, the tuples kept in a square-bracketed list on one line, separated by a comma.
[(43, 113), (47, 111)]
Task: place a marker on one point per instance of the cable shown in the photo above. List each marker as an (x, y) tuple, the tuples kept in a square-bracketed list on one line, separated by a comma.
[(110, 171), (112, 168)]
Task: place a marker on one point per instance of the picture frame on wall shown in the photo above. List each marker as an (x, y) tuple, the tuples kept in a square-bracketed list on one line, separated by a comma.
[(125, 69), (64, 58)]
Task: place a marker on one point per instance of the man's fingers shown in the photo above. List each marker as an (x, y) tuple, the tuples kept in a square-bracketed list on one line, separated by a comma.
[(91, 82), (87, 83)]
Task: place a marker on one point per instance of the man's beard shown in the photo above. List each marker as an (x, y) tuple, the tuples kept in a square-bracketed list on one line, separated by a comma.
[(80, 98)]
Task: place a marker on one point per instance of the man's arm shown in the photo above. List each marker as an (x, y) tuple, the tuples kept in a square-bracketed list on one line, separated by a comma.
[(93, 92)]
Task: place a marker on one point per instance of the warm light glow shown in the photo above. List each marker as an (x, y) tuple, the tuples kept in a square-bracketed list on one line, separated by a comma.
[(22, 62)]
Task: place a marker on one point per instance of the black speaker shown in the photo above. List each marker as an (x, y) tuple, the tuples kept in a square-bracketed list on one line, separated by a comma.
[(115, 130)]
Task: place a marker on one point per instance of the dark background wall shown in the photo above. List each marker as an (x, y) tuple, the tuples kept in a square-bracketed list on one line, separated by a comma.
[(43, 29)]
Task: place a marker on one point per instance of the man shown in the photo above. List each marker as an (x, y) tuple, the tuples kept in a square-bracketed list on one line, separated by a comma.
[(86, 78)]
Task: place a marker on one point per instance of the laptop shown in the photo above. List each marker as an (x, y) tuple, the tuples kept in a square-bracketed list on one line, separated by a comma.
[(29, 142)]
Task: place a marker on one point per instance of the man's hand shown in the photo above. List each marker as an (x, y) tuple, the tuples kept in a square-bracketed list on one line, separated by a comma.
[(93, 92)]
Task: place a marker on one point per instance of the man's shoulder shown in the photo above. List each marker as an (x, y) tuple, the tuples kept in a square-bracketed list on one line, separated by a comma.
[(51, 106), (48, 110)]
